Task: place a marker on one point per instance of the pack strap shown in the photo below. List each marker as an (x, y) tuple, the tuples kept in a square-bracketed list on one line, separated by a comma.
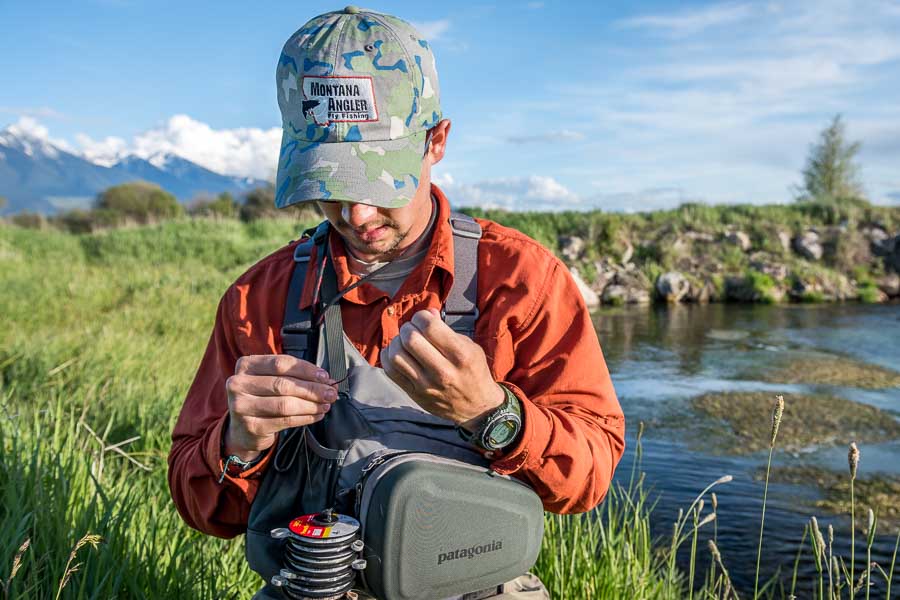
[(299, 333), (460, 310)]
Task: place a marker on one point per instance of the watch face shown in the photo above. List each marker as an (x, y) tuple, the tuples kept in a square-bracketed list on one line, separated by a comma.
[(502, 433)]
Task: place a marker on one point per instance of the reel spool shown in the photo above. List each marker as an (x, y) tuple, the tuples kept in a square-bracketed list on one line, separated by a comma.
[(321, 556)]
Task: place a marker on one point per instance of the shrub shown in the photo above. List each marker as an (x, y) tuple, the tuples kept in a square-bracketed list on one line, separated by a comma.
[(140, 201)]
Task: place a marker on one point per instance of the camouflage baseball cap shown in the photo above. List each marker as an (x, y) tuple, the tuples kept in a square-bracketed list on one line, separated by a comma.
[(358, 91)]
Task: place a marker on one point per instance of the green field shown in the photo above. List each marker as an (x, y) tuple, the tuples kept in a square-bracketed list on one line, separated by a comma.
[(102, 334)]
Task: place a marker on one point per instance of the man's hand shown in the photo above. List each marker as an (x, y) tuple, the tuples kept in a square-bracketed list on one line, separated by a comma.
[(271, 392), (445, 372)]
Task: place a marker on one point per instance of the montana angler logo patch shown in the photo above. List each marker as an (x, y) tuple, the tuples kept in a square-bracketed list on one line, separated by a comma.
[(339, 99), (470, 552)]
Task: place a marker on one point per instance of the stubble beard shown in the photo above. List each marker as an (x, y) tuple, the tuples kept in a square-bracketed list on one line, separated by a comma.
[(367, 250)]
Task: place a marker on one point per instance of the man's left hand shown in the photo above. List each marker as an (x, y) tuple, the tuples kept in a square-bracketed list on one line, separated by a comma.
[(444, 372)]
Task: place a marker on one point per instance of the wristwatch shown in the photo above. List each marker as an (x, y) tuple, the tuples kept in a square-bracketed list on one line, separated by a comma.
[(500, 429), (233, 465)]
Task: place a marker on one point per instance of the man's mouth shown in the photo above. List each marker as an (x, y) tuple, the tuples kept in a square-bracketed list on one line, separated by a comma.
[(372, 235)]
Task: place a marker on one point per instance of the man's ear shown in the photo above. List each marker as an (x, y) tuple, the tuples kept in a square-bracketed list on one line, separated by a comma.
[(438, 141)]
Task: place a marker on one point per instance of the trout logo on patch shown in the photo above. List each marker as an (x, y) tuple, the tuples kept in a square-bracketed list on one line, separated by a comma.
[(339, 99)]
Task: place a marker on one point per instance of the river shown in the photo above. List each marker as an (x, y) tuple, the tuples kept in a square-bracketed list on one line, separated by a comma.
[(661, 357)]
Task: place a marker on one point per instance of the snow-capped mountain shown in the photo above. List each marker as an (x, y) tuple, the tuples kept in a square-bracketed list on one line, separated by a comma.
[(40, 176)]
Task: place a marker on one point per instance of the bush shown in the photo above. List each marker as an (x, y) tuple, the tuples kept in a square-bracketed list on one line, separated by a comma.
[(28, 220), (140, 201)]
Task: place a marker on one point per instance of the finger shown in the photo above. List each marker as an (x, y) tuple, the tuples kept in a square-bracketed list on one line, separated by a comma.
[(280, 385), (399, 366), (259, 426), (421, 349), (449, 343), (276, 406), (280, 364)]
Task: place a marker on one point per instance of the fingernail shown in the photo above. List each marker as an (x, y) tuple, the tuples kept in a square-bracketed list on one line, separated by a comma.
[(322, 375), (330, 395), (326, 408)]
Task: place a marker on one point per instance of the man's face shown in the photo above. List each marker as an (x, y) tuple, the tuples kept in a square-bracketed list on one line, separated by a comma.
[(373, 233)]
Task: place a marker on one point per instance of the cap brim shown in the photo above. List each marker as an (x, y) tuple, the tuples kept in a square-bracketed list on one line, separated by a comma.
[(384, 173)]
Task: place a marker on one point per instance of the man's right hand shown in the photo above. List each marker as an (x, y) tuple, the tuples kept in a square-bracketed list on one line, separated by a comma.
[(271, 392)]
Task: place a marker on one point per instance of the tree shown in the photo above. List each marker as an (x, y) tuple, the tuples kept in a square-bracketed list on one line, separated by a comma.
[(140, 201), (830, 172)]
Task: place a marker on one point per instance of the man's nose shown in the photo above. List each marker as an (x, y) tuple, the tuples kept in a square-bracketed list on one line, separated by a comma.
[(357, 214)]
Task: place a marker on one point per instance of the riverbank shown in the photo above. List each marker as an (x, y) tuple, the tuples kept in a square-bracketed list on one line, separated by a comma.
[(801, 252)]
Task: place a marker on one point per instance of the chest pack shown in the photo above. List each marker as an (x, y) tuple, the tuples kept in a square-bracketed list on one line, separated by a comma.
[(381, 495)]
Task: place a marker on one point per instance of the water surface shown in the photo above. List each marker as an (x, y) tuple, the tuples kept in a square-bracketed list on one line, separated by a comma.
[(661, 357)]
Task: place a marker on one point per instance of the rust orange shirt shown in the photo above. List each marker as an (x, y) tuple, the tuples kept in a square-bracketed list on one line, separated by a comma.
[(533, 326)]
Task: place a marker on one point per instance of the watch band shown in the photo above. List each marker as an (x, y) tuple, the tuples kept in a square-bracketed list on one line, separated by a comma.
[(233, 465)]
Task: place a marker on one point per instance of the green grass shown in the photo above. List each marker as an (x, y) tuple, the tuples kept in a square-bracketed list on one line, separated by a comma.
[(103, 333)]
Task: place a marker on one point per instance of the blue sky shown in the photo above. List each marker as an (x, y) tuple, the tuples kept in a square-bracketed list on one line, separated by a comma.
[(620, 106)]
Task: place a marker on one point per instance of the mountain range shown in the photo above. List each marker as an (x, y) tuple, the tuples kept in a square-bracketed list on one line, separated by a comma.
[(39, 176)]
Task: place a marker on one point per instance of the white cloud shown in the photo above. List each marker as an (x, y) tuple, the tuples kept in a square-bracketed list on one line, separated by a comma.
[(32, 133), (686, 23), (432, 30), (244, 151), (535, 192)]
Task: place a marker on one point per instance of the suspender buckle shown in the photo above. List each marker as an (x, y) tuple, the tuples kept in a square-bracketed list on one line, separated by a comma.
[(475, 313)]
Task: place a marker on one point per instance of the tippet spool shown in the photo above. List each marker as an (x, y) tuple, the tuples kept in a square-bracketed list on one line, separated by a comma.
[(321, 556)]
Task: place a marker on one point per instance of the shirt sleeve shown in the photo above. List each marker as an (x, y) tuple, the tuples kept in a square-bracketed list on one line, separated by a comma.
[(195, 461), (573, 432)]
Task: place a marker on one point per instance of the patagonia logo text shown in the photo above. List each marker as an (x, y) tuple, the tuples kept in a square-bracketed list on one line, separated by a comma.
[(470, 552)]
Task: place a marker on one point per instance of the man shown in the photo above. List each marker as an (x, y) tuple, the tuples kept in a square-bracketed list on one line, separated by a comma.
[(359, 97)]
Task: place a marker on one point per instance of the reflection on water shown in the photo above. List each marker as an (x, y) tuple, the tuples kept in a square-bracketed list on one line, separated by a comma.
[(661, 357)]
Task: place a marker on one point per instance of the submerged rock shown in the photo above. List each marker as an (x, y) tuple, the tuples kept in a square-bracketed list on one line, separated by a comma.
[(742, 421), (830, 370), (881, 493)]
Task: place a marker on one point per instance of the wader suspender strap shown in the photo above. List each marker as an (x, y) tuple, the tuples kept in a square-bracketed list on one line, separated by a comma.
[(299, 333), (460, 311)]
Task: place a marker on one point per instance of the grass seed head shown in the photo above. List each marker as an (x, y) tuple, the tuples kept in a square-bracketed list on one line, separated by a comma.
[(817, 536), (870, 529), (715, 551), (707, 519), (17, 560), (776, 418), (715, 501), (853, 459)]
